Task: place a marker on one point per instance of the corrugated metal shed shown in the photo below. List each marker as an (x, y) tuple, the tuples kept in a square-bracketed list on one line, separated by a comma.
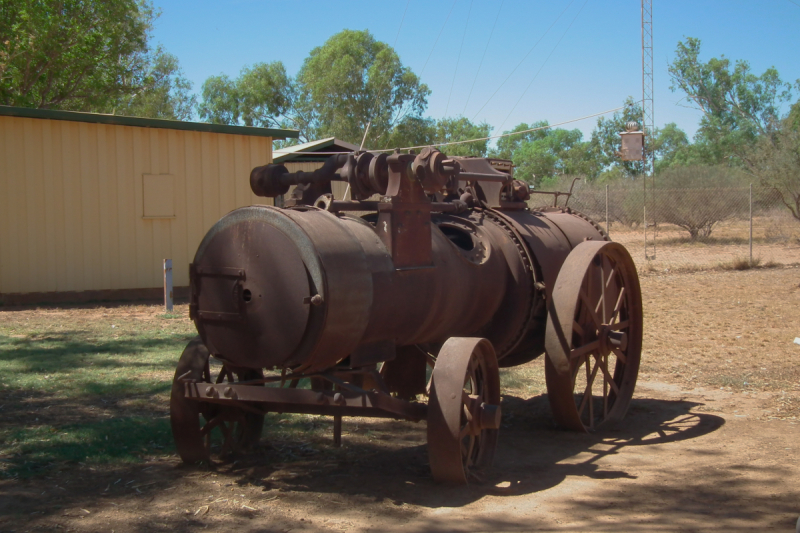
[(95, 202)]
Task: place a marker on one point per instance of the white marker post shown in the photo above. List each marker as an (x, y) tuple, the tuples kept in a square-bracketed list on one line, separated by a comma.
[(168, 285)]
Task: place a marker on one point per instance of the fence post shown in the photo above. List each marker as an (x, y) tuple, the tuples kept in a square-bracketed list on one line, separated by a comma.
[(608, 228), (751, 224), (168, 285)]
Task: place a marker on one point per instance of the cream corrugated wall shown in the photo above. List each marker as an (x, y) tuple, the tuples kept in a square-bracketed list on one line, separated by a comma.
[(71, 201)]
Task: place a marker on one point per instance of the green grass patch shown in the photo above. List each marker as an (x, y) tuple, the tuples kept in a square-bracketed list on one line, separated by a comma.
[(36, 450), (86, 386)]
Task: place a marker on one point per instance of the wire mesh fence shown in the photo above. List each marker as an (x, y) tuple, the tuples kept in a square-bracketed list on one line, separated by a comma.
[(694, 228)]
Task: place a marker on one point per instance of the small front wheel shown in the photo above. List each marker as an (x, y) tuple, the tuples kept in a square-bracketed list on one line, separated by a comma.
[(463, 410), (193, 422)]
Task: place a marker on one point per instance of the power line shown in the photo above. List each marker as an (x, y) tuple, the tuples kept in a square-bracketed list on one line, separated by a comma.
[(401, 24), (458, 60), (543, 64), (437, 37), (483, 57), (524, 58), (549, 126), (504, 134)]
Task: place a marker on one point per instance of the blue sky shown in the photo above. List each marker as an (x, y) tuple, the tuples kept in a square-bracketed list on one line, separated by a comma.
[(588, 61)]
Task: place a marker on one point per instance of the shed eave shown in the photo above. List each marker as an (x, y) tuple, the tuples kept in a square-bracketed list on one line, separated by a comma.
[(119, 120)]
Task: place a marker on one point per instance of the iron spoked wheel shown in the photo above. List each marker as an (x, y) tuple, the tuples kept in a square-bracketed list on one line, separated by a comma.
[(594, 337), (193, 422), (463, 410)]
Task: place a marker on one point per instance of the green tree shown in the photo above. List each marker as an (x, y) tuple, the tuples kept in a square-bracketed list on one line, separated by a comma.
[(776, 163), (506, 146), (737, 105), (88, 55), (413, 131), (462, 129), (163, 91), (606, 141), (546, 153), (353, 80), (669, 145), (70, 54), (556, 153), (263, 95)]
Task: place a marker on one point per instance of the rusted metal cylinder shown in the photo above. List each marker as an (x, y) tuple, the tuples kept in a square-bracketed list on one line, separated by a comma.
[(305, 288)]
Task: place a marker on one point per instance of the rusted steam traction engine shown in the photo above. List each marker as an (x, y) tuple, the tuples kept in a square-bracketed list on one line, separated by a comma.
[(450, 270)]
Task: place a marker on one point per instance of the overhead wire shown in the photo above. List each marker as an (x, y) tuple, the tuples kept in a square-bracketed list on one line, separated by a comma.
[(402, 19), (483, 57), (504, 134), (401, 24), (543, 64), (458, 60), (524, 58), (437, 37), (549, 126)]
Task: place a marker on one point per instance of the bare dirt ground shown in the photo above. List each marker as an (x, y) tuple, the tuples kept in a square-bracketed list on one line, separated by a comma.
[(775, 240), (710, 443)]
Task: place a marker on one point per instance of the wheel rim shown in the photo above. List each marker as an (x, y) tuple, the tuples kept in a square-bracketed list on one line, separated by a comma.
[(463, 410), (594, 337), (193, 422)]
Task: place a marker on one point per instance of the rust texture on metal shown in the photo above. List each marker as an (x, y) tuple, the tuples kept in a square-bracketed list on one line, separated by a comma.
[(449, 271)]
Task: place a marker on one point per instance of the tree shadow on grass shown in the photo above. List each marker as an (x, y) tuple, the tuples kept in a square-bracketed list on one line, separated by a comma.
[(61, 351), (65, 399)]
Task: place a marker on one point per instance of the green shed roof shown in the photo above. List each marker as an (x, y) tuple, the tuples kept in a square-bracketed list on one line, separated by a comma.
[(119, 120)]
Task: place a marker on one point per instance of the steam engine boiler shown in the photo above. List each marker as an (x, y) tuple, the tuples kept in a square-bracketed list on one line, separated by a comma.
[(436, 266)]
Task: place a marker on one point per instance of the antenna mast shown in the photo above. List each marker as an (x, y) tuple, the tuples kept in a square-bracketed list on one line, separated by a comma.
[(648, 127)]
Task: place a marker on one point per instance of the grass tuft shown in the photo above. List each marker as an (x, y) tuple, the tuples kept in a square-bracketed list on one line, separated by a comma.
[(741, 263)]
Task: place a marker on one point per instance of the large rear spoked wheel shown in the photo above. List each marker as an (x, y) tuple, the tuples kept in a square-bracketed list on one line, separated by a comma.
[(463, 410), (194, 422), (593, 337)]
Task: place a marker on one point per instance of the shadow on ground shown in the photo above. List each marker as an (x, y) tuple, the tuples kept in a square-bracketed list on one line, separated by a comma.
[(532, 456), (386, 475)]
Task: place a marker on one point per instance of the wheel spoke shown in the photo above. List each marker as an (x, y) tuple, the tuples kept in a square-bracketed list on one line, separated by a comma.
[(585, 349), (227, 443), (605, 390), (610, 380), (620, 355), (610, 276), (619, 325), (590, 310), (618, 305), (468, 456), (587, 393), (602, 289), (211, 424)]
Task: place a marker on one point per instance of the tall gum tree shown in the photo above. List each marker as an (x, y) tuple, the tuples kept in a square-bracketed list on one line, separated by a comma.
[(353, 80)]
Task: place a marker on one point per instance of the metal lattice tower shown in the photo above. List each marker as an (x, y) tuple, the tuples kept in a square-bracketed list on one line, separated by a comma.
[(648, 126)]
